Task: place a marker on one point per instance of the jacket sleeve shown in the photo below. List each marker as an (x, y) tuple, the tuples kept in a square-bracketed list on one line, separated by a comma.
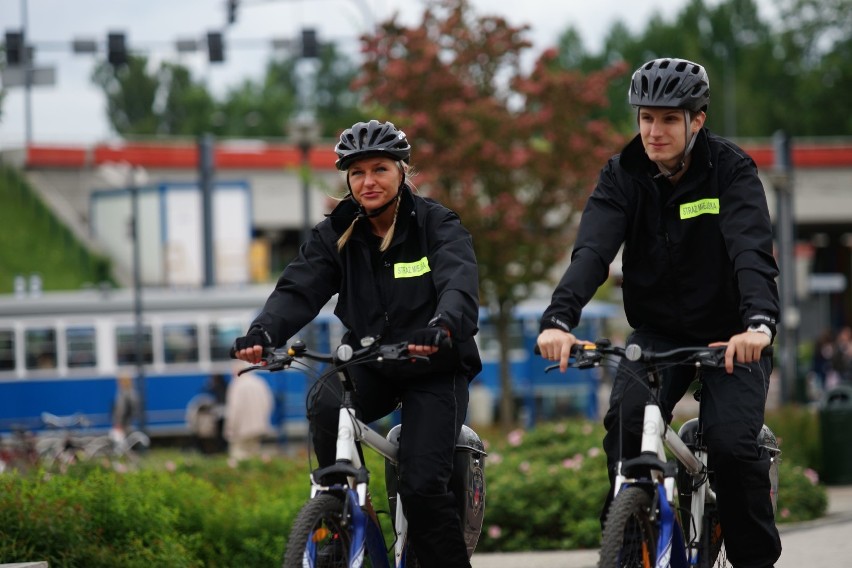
[(455, 274), (303, 288), (603, 226), (747, 229)]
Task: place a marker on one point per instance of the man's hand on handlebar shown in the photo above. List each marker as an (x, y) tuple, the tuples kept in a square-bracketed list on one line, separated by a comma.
[(555, 345), (744, 347), (251, 346), (428, 340)]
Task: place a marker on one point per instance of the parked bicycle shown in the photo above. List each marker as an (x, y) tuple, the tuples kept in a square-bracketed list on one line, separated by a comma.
[(664, 511), (338, 526), (72, 444), (18, 452)]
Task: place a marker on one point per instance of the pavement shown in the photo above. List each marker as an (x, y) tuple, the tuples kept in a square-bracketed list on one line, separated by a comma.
[(826, 541)]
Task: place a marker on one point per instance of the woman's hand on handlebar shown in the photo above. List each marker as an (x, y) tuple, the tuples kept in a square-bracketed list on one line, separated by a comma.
[(555, 345), (744, 347), (428, 340)]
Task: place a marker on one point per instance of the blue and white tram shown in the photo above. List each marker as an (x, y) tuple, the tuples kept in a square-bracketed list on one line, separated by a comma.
[(62, 352)]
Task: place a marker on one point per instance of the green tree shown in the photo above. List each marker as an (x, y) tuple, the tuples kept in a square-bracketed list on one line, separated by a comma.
[(514, 153), (792, 73), (188, 107), (130, 93)]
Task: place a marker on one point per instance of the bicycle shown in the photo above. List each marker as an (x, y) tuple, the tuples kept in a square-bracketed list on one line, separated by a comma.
[(59, 452), (338, 526), (664, 512), (19, 453)]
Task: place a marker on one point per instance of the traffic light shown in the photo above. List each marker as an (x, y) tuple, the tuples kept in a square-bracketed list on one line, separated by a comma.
[(232, 11), (116, 49), (310, 46), (14, 48), (215, 47)]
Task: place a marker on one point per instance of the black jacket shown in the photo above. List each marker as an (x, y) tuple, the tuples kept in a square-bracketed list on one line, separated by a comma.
[(386, 295), (697, 259)]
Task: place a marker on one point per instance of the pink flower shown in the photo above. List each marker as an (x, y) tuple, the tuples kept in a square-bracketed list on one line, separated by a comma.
[(573, 463), (494, 531), (170, 466), (524, 467), (559, 428), (593, 452), (587, 429), (812, 476), (515, 437), (785, 513), (495, 458)]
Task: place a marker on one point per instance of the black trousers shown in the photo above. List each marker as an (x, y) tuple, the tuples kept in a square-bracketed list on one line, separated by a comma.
[(433, 411), (732, 412)]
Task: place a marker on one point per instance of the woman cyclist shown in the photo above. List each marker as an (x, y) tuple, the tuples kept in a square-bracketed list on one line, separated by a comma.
[(404, 269)]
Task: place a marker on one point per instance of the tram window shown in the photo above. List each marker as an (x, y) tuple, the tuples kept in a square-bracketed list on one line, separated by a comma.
[(40, 348), (81, 347), (487, 336), (180, 343), (7, 349), (125, 341), (222, 336)]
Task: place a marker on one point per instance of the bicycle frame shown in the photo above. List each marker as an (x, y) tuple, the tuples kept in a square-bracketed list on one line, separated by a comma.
[(350, 432), (656, 437)]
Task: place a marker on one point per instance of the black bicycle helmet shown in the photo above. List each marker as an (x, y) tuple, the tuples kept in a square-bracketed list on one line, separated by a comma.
[(670, 82), (372, 138)]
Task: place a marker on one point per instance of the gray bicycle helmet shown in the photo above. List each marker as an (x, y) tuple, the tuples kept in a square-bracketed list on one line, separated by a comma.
[(670, 82), (371, 138)]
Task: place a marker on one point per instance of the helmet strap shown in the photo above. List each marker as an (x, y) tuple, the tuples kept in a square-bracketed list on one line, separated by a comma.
[(363, 214), (690, 142)]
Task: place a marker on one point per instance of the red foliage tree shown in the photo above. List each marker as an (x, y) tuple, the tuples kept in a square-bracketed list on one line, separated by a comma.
[(514, 153)]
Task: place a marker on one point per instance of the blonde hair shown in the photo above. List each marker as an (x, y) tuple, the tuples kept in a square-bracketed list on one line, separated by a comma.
[(406, 171)]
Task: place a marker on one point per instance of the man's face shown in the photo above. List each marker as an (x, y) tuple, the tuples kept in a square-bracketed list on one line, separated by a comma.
[(663, 133)]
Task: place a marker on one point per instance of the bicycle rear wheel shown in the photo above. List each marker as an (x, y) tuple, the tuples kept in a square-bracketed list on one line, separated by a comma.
[(629, 536), (712, 553), (320, 535)]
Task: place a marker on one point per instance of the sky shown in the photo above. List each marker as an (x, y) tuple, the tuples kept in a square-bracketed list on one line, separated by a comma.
[(72, 110)]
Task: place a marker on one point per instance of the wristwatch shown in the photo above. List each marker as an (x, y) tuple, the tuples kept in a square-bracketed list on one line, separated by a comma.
[(761, 328)]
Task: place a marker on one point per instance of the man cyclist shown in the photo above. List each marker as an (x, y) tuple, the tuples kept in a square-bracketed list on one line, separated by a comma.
[(691, 214), (404, 269)]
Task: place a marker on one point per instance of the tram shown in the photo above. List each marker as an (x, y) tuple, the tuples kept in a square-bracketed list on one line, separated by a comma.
[(61, 352)]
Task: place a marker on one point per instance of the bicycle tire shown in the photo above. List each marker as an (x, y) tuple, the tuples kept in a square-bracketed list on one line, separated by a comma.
[(324, 521), (629, 536), (712, 553)]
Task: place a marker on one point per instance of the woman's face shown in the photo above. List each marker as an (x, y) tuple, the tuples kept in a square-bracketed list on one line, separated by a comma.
[(374, 181), (663, 133)]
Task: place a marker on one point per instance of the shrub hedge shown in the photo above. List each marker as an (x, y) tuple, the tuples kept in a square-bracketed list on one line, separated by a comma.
[(544, 491)]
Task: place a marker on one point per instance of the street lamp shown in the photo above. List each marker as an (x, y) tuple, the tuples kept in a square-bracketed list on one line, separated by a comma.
[(132, 177), (304, 132)]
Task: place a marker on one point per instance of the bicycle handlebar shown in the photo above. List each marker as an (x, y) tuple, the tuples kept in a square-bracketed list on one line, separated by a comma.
[(590, 355), (345, 354)]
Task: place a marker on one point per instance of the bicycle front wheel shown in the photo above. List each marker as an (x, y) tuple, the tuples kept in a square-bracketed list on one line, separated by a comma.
[(320, 535), (629, 536)]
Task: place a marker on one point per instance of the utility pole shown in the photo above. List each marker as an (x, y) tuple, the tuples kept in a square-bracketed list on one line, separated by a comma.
[(785, 223)]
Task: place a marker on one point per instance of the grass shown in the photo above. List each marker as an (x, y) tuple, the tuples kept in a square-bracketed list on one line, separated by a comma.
[(35, 242)]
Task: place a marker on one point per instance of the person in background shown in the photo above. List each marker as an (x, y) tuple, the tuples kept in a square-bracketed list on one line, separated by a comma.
[(404, 269), (126, 407), (248, 409), (217, 387), (691, 213)]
